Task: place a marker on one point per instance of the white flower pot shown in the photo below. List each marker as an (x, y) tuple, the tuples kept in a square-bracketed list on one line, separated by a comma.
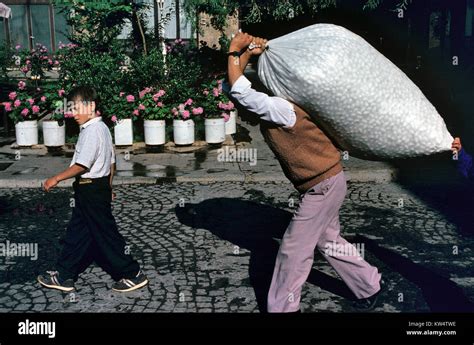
[(215, 130), (54, 134), (155, 132), (231, 125), (183, 132), (123, 132), (27, 133)]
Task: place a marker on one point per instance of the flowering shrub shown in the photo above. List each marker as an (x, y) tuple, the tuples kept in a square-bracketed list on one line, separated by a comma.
[(21, 105), (53, 100), (124, 106), (153, 104), (215, 102), (37, 61), (187, 110)]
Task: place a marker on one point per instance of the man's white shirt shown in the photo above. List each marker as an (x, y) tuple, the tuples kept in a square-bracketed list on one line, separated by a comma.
[(273, 109), (94, 149)]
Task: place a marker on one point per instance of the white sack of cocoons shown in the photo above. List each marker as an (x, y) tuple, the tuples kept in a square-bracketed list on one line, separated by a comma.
[(363, 101)]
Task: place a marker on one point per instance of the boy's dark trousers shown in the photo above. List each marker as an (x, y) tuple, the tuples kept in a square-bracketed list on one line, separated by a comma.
[(92, 234)]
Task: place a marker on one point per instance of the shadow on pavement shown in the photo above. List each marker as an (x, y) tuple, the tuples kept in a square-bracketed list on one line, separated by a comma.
[(440, 293), (255, 227), (436, 182)]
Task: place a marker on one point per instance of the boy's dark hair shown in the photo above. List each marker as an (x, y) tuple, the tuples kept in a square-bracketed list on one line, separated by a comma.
[(83, 93)]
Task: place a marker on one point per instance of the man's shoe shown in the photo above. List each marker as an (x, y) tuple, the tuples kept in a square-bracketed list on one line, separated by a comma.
[(51, 280), (367, 304), (127, 285)]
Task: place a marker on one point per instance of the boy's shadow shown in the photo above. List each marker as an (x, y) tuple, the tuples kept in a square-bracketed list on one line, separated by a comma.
[(256, 227)]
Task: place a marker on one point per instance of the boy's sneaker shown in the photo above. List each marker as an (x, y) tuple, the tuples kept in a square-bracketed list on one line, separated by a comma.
[(367, 304), (51, 280), (127, 285)]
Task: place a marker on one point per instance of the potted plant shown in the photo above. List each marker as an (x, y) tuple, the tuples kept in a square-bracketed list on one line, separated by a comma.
[(123, 110), (23, 109), (155, 113), (54, 128), (183, 124), (217, 108)]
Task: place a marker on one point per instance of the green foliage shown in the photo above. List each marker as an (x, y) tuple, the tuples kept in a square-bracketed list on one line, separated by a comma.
[(104, 72), (183, 72), (6, 59), (254, 11), (145, 70), (96, 24)]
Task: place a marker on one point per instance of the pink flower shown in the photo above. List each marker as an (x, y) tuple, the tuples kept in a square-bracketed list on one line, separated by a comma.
[(17, 103), (8, 106), (56, 62), (18, 47), (21, 85), (158, 95), (181, 107), (141, 107), (28, 62), (25, 112), (31, 101), (114, 118), (35, 109), (206, 92), (221, 105), (230, 105), (188, 102), (175, 112), (159, 104), (136, 112), (130, 98), (121, 94), (198, 111), (142, 93), (61, 92), (12, 95), (186, 114), (215, 92), (50, 61), (43, 99), (225, 116)]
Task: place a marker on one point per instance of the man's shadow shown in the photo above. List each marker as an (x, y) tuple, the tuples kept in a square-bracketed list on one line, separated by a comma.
[(256, 227)]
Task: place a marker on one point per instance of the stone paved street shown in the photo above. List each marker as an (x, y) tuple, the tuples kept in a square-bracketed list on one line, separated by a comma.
[(211, 248)]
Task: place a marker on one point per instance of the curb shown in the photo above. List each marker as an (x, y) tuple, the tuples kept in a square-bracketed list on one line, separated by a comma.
[(357, 176)]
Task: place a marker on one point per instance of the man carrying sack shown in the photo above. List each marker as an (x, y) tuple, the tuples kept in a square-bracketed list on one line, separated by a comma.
[(312, 163)]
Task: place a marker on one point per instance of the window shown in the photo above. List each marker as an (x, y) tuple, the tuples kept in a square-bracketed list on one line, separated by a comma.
[(32, 24)]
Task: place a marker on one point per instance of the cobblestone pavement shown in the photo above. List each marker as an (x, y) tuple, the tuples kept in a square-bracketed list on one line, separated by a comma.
[(211, 248)]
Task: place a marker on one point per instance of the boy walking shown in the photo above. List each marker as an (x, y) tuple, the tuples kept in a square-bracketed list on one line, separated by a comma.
[(312, 163), (92, 232)]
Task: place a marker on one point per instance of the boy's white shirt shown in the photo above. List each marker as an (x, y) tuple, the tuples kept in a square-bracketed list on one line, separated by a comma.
[(94, 149), (273, 109)]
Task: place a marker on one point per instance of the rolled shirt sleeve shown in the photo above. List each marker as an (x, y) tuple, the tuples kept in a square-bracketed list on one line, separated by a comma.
[(273, 109)]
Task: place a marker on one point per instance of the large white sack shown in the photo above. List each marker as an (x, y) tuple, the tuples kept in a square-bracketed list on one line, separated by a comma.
[(363, 101)]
